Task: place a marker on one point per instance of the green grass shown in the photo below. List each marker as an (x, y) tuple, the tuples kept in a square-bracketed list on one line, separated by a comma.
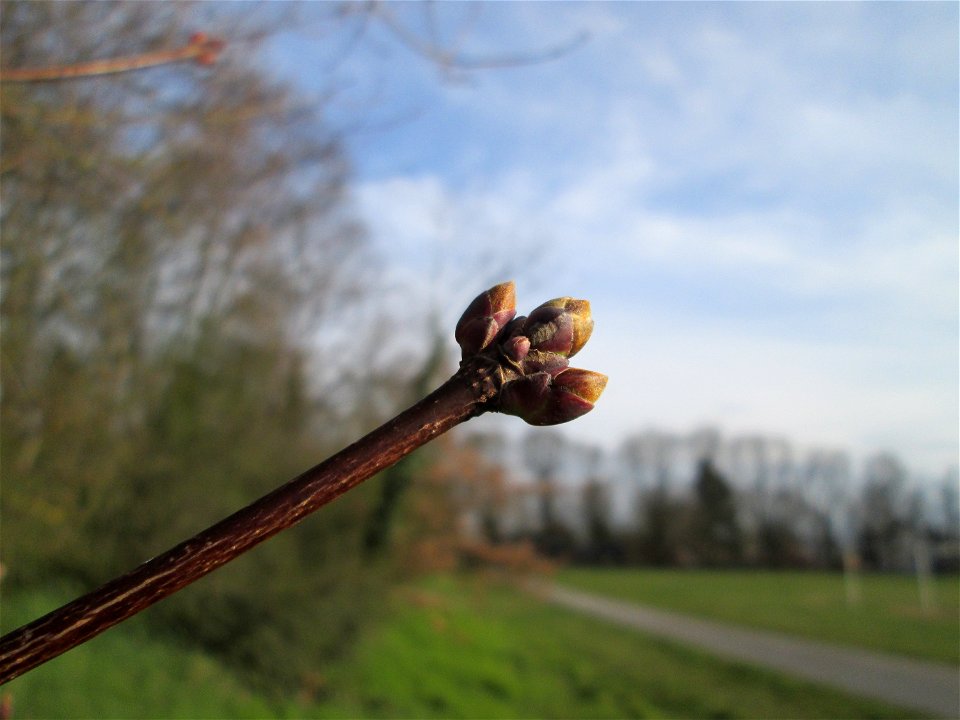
[(123, 674), (461, 649), (447, 647), (887, 618)]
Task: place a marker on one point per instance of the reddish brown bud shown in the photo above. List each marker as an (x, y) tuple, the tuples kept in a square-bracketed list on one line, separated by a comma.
[(541, 399), (517, 348), (208, 48), (562, 325), (526, 397), (485, 317), (585, 384)]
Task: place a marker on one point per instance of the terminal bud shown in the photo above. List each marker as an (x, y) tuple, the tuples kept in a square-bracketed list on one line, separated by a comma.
[(562, 326)]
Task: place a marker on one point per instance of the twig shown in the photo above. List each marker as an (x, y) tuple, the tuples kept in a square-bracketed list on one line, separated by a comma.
[(452, 59), (517, 366), (202, 49)]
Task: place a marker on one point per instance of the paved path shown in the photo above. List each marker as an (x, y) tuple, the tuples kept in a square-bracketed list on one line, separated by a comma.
[(930, 687)]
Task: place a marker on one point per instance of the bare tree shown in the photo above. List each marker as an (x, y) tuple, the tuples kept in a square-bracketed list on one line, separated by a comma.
[(950, 493), (705, 444), (826, 477), (883, 508), (546, 455), (919, 533)]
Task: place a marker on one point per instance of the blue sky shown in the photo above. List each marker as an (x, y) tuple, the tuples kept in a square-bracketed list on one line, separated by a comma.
[(760, 200)]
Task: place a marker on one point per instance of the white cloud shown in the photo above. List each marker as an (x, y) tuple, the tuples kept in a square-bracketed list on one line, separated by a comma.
[(827, 395), (877, 377)]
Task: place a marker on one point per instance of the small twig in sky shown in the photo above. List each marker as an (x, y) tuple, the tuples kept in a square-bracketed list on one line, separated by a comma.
[(513, 365), (202, 49), (453, 59)]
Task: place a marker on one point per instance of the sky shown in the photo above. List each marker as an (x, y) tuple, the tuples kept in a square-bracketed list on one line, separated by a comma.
[(760, 200)]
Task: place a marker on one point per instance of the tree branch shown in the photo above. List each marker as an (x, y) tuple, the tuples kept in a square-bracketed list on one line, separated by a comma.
[(512, 365), (201, 48)]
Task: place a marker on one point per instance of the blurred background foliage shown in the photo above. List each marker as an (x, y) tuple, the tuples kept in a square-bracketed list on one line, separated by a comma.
[(176, 241)]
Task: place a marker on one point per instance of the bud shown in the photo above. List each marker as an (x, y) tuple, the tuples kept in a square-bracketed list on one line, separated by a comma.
[(207, 49), (560, 326), (541, 399), (517, 348), (584, 384), (526, 397), (485, 317)]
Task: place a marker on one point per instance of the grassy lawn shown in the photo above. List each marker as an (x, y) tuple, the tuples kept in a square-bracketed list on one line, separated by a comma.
[(447, 647), (123, 674), (888, 616), (459, 648)]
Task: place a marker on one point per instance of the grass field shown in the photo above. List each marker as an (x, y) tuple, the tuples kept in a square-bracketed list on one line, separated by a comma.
[(887, 618), (123, 674), (461, 649), (448, 647)]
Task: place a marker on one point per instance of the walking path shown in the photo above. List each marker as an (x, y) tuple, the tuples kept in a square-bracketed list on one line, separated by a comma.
[(919, 685)]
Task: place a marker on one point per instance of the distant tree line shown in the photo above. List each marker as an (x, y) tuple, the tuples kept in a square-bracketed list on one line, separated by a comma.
[(700, 501)]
